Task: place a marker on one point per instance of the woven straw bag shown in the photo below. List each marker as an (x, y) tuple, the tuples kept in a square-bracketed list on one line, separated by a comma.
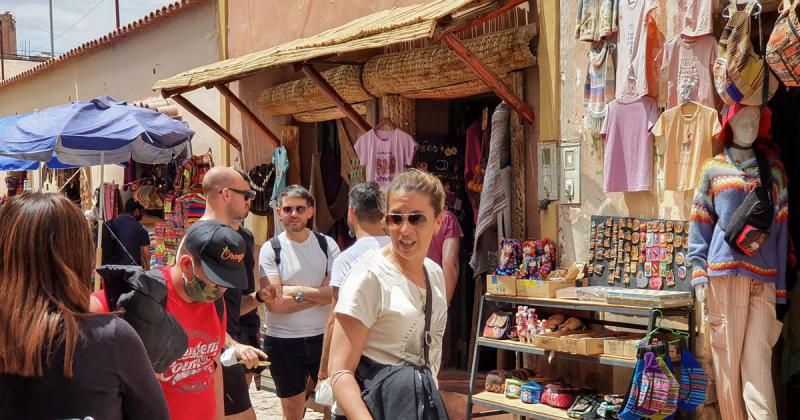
[(783, 48), (739, 74)]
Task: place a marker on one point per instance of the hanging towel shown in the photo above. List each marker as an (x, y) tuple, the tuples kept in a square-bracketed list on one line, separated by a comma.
[(600, 85)]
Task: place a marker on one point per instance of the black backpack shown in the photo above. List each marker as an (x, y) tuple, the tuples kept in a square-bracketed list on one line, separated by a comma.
[(323, 245)]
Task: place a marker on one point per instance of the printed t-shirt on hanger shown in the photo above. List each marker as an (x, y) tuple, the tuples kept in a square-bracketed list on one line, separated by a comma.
[(689, 61), (385, 154), (628, 160), (632, 48), (687, 144)]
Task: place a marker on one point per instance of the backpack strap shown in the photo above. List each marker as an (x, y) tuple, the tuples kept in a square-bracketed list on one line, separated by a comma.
[(219, 304), (323, 245), (276, 247)]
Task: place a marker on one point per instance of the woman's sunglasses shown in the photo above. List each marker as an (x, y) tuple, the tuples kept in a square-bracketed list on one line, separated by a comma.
[(397, 219)]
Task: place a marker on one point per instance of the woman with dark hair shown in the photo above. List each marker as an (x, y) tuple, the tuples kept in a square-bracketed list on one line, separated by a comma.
[(57, 360), (392, 312)]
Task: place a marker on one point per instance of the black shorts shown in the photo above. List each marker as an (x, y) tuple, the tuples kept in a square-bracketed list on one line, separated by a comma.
[(237, 394), (292, 362)]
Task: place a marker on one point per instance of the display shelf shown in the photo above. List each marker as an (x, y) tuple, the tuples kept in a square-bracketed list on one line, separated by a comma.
[(511, 405), (531, 349), (500, 404), (580, 305)]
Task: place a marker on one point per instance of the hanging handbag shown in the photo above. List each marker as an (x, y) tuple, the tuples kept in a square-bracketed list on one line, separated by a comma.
[(406, 391), (658, 390), (783, 47), (749, 227), (739, 74), (497, 325)]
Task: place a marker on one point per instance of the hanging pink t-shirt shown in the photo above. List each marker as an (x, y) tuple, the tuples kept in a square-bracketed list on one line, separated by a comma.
[(689, 61), (694, 17), (628, 162), (385, 154)]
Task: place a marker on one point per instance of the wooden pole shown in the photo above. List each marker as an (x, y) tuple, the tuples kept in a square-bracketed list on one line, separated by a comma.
[(337, 99), (487, 75), (205, 119), (226, 92)]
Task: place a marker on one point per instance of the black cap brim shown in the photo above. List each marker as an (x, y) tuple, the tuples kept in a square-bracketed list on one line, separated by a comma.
[(225, 277)]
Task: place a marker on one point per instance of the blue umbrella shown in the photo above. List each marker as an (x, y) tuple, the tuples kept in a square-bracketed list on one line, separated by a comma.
[(94, 133), (9, 164)]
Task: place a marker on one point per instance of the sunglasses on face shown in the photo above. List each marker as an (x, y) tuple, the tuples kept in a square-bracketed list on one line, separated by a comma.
[(413, 219), (287, 210), (248, 194)]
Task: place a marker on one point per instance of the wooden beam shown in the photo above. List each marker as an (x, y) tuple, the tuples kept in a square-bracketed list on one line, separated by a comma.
[(337, 99), (487, 75), (205, 119), (226, 92)]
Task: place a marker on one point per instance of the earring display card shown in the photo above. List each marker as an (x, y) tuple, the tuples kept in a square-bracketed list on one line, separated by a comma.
[(653, 251)]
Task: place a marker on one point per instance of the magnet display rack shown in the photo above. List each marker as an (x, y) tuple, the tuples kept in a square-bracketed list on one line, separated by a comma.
[(639, 253), (499, 404)]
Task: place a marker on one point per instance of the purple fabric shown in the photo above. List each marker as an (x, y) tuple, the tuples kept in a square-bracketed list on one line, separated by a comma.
[(628, 165)]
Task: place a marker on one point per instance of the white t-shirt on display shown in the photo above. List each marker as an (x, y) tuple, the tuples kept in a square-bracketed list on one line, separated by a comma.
[(392, 308), (302, 264), (350, 256)]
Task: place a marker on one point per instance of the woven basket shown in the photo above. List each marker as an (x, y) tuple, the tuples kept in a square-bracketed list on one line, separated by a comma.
[(402, 112), (437, 66), (459, 90), (327, 114), (303, 94)]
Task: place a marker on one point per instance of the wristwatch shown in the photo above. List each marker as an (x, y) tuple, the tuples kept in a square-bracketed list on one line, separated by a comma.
[(300, 295)]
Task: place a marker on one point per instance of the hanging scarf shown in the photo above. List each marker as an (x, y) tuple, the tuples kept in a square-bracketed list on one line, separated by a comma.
[(599, 88)]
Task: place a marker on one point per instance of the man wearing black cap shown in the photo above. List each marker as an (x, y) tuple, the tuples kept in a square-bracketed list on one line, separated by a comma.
[(210, 260)]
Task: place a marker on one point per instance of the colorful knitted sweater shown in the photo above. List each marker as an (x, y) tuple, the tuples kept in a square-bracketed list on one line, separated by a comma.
[(722, 188)]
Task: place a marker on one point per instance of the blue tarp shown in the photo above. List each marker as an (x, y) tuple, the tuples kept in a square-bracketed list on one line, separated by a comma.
[(99, 131)]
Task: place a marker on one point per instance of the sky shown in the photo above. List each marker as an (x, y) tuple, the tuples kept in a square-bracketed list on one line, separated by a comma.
[(74, 21)]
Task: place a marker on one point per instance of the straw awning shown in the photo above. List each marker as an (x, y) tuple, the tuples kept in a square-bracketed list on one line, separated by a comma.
[(380, 29), (440, 19)]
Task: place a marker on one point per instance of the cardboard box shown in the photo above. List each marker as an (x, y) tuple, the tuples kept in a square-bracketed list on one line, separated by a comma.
[(501, 285), (616, 346), (541, 288), (552, 340), (570, 343)]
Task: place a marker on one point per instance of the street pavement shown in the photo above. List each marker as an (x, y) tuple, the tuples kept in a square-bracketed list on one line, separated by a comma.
[(268, 406)]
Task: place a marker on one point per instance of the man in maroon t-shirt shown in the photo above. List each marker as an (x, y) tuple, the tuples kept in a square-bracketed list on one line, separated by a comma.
[(210, 261)]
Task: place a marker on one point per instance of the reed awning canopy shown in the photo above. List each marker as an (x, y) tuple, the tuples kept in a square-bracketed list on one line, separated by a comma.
[(440, 19)]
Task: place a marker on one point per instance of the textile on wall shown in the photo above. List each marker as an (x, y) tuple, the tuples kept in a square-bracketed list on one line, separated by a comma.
[(493, 199)]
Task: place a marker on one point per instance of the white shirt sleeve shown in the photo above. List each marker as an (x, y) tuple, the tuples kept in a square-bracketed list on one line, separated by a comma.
[(339, 270), (266, 261), (361, 296)]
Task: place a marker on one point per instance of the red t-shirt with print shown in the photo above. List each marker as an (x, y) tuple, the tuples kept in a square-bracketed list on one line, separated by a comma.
[(188, 383)]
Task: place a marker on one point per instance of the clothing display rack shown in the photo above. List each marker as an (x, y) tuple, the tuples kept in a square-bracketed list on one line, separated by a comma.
[(499, 404)]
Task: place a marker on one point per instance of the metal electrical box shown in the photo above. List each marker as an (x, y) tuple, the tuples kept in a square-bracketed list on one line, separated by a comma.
[(571, 174), (548, 171)]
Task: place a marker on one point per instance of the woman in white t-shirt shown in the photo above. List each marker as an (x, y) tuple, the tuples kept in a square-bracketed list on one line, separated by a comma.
[(380, 313)]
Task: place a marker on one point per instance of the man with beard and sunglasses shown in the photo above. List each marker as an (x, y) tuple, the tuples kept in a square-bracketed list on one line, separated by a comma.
[(297, 264), (126, 241), (228, 199)]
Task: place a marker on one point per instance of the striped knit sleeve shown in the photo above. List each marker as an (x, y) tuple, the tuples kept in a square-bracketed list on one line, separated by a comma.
[(701, 227), (781, 193)]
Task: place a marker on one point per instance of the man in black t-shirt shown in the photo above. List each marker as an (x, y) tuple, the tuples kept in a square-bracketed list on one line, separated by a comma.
[(228, 199), (125, 240)]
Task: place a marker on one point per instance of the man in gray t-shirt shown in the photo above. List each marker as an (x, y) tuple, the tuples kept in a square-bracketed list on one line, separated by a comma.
[(365, 219), (299, 260)]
